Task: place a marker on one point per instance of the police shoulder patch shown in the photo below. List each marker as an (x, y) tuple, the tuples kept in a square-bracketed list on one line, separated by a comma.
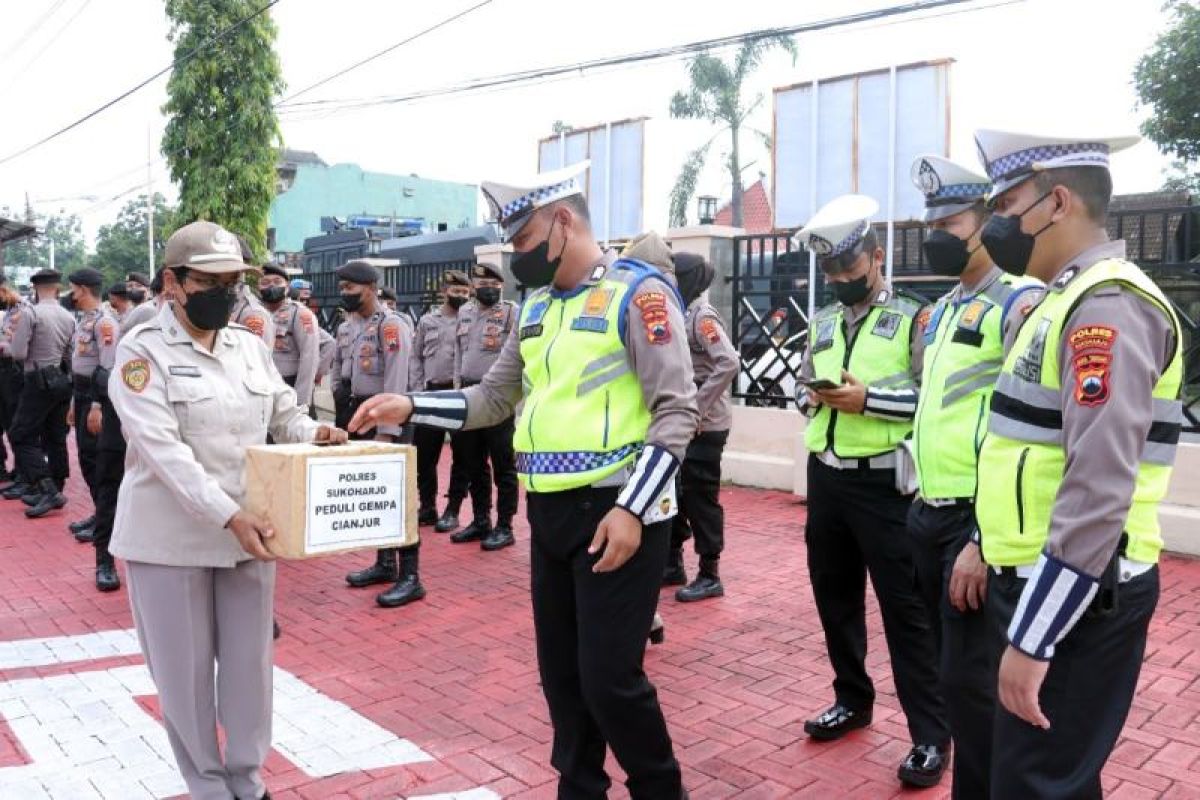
[(135, 374), (108, 332), (256, 324), (709, 330), (1091, 360), (655, 321)]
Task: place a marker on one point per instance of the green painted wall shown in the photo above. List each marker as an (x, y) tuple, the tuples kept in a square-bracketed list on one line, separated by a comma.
[(343, 190)]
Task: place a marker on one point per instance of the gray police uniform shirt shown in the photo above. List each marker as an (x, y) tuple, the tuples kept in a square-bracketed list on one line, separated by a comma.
[(42, 335), (251, 313), (188, 416), (93, 329), (297, 347), (433, 350), (138, 315), (377, 357), (888, 404), (481, 334), (326, 354), (8, 324), (714, 365)]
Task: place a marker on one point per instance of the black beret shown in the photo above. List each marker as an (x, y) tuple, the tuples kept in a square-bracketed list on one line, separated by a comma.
[(86, 277), (119, 289), (388, 293), (358, 272), (47, 275), (483, 270), (138, 277), (454, 277), (274, 269)]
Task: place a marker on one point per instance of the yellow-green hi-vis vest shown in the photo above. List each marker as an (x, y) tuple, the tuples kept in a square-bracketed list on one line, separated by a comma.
[(964, 350), (879, 354), (1022, 460), (584, 415)]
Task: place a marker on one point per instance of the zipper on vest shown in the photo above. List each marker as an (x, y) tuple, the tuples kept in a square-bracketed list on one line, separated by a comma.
[(606, 397), (546, 361), (849, 340), (917, 427), (1021, 491)]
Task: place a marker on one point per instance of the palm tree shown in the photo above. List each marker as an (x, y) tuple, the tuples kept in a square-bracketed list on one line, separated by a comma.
[(716, 96)]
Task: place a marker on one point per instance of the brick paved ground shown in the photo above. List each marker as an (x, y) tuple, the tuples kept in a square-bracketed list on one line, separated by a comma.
[(455, 676)]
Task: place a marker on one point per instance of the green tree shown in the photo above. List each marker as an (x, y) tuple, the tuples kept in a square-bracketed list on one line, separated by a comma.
[(222, 137), (1165, 79), (716, 95), (121, 245), (64, 229)]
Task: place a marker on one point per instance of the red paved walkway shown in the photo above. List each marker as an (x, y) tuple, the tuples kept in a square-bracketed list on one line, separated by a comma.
[(455, 674)]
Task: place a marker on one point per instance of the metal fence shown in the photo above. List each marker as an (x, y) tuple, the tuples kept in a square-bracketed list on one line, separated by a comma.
[(770, 295), (416, 287)]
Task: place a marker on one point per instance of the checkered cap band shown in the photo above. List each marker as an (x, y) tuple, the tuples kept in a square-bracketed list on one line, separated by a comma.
[(572, 461), (826, 249), (1022, 161), (538, 197), (960, 190)]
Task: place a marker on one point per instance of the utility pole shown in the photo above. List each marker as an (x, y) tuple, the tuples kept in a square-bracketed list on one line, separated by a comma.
[(150, 198)]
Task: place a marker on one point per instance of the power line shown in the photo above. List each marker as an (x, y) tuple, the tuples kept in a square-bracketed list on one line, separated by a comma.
[(49, 43), (177, 62), (28, 33)]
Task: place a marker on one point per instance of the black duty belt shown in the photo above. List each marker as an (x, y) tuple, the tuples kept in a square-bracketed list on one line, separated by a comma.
[(438, 386), (82, 383)]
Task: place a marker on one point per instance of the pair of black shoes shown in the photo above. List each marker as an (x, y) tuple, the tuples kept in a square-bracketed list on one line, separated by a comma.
[(84, 530), (707, 583), (107, 579), (922, 767), (489, 538), (42, 498), (399, 569)]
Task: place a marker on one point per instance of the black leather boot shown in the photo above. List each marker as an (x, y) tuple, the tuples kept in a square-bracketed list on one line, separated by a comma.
[(448, 521), (500, 538), (675, 574), (382, 571), (706, 585), (52, 499), (427, 516), (408, 589), (83, 524), (475, 532), (107, 579)]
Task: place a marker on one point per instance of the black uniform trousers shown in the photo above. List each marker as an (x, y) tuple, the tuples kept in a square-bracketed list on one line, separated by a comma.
[(965, 655), (429, 442), (700, 512), (110, 471), (11, 381), (406, 436), (856, 526), (492, 446), (590, 667), (39, 431), (86, 442), (1086, 694)]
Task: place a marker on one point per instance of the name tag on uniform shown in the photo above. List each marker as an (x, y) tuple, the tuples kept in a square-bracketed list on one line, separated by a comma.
[(887, 325), (593, 324), (533, 323), (824, 339), (184, 371)]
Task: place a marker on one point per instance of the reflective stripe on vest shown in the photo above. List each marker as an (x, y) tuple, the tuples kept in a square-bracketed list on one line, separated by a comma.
[(1023, 457), (584, 415), (964, 351), (879, 354)]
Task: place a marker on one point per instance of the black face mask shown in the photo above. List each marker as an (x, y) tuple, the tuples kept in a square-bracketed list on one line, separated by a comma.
[(137, 295), (273, 294), (68, 302), (946, 253), (851, 293), (1008, 245), (209, 310), (487, 295), (455, 301), (534, 268), (351, 302)]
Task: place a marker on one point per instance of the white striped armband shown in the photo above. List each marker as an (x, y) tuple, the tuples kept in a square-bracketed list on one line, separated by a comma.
[(1054, 599), (894, 404), (446, 410), (654, 470), (977, 536)]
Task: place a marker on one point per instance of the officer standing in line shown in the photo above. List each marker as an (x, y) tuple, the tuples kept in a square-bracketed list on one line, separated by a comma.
[(141, 309), (484, 325), (601, 364), (389, 298), (339, 372), (249, 311), (296, 350), (432, 369), (1084, 424), (864, 354), (964, 348), (42, 340), (110, 461), (714, 365), (118, 300), (377, 362), (10, 374), (96, 327)]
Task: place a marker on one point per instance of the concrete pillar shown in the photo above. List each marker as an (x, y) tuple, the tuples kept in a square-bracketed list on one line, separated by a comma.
[(715, 243), (499, 255)]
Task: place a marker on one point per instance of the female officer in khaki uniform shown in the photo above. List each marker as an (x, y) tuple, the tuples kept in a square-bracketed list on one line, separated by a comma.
[(192, 395)]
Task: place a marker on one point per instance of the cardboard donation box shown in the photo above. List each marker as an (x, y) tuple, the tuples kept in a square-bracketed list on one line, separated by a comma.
[(319, 500)]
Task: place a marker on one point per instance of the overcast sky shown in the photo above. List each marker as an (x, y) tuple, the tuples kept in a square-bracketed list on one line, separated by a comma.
[(1046, 65)]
